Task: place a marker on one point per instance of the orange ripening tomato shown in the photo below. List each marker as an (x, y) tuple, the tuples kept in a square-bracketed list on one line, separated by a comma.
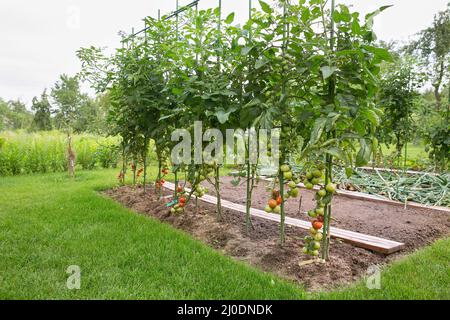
[(317, 225), (182, 200), (273, 204), (181, 205), (180, 189)]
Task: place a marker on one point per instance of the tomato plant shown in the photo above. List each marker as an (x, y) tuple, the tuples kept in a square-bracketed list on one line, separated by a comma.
[(302, 68)]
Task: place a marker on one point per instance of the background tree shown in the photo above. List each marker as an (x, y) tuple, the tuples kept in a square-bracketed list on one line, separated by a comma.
[(4, 110), (398, 98), (19, 116), (14, 115), (42, 113), (68, 99), (433, 46)]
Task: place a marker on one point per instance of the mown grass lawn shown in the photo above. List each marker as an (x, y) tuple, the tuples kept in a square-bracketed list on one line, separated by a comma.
[(49, 222)]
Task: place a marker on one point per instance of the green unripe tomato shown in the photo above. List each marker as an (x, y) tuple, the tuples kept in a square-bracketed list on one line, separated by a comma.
[(287, 175), (322, 193), (312, 214), (285, 168), (309, 186), (268, 209), (305, 250), (331, 188), (309, 176), (277, 210), (292, 185), (315, 253), (318, 236), (294, 193), (317, 173), (315, 181), (320, 211), (313, 231), (316, 245)]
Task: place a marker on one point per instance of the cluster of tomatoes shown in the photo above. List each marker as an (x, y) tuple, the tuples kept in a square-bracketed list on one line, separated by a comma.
[(323, 197), (292, 181), (121, 174), (179, 207), (274, 204), (205, 172), (161, 182)]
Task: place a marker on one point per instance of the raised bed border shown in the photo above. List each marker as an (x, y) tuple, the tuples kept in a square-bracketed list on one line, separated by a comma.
[(358, 239), (360, 195)]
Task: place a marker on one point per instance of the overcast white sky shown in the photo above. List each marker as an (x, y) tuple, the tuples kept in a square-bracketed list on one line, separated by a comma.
[(39, 37)]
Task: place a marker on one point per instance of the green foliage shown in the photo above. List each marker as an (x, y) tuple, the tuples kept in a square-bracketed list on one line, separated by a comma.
[(67, 96), (398, 98), (26, 153), (42, 113), (14, 115), (433, 46), (438, 140)]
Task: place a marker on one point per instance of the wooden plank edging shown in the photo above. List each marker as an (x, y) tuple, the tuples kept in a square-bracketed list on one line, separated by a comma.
[(374, 198)]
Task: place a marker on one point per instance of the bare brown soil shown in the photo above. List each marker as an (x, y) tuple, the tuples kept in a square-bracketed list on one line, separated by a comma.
[(414, 227)]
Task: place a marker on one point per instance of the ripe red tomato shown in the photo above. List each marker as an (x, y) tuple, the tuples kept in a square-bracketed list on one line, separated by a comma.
[(162, 181), (279, 200), (317, 225), (182, 200)]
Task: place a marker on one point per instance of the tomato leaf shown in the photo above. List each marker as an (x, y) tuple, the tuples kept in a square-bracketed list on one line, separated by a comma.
[(317, 130), (364, 154), (261, 62), (265, 7), (230, 18), (370, 16), (336, 152), (328, 71), (223, 115)]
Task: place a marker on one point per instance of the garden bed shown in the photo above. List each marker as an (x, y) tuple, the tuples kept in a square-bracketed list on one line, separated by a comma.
[(414, 227)]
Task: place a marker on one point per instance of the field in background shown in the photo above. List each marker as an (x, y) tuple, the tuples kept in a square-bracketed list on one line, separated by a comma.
[(41, 152), (417, 158)]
